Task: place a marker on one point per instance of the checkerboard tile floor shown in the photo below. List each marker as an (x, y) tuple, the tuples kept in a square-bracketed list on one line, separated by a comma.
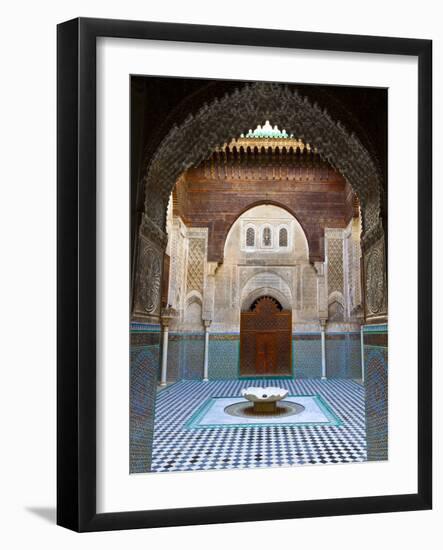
[(177, 448)]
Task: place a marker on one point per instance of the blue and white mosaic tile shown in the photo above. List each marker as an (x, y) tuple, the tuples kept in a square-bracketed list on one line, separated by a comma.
[(306, 356), (178, 447), (212, 414)]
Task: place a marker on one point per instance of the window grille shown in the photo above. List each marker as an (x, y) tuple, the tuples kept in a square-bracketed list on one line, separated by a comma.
[(267, 236), (283, 237), (250, 236)]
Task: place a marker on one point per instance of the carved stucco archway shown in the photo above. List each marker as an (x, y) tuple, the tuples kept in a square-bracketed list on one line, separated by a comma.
[(267, 202), (249, 298), (219, 122)]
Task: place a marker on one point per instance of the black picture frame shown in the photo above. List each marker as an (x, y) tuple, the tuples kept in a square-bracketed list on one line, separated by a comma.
[(76, 266)]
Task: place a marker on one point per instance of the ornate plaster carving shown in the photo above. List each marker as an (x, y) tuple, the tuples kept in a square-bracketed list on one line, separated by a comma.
[(375, 279), (227, 118), (249, 297), (152, 231), (196, 265), (372, 236), (149, 279), (335, 264), (284, 273), (218, 123)]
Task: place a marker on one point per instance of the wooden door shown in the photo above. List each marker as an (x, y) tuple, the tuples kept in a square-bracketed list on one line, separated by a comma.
[(265, 339)]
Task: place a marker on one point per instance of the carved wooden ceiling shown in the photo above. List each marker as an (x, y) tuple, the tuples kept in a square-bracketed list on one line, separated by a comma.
[(160, 103), (229, 182)]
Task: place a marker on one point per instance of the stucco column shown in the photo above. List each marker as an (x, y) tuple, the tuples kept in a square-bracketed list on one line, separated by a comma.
[(322, 307), (209, 291), (362, 354), (323, 350), (166, 316), (206, 358), (322, 296), (164, 371)]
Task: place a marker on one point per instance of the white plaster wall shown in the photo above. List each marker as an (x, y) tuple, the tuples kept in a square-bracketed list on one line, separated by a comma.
[(193, 315), (248, 272), (350, 294)]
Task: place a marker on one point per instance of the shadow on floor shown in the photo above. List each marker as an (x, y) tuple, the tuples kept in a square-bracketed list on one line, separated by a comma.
[(46, 513)]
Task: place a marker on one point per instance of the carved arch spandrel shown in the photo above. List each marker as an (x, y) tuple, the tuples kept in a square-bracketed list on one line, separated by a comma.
[(375, 281), (215, 124), (147, 295)]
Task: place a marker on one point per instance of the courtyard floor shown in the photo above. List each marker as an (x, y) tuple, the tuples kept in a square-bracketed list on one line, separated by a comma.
[(185, 441)]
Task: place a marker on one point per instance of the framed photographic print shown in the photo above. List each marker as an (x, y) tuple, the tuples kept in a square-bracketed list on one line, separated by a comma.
[(244, 223)]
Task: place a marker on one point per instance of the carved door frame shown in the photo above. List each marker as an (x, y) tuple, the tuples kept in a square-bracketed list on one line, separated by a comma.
[(266, 317)]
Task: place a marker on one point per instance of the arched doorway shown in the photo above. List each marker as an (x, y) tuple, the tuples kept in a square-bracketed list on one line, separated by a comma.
[(215, 125), (191, 143), (265, 339)]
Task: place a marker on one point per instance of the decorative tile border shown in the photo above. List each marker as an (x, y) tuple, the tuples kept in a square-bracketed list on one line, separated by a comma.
[(375, 328), (267, 377), (196, 417), (376, 390), (144, 327), (376, 403), (144, 378)]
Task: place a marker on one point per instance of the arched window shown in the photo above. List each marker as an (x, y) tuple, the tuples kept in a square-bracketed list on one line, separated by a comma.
[(250, 236), (283, 237), (267, 241)]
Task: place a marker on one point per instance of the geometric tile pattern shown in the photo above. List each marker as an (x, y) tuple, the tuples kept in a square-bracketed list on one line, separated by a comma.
[(335, 265), (376, 387), (178, 448), (343, 356), (335, 354), (195, 265), (186, 353), (377, 403), (354, 355), (193, 357), (314, 411), (143, 375), (306, 356), (174, 360), (185, 356), (224, 357)]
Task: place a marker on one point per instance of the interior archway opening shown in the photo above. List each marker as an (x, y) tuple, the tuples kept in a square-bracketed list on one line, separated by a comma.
[(258, 303), (262, 219), (266, 339)]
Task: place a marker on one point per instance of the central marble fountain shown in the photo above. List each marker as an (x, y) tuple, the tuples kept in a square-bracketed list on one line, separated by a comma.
[(264, 400)]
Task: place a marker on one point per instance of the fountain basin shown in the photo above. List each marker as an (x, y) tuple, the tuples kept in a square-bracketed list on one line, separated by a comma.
[(264, 399)]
